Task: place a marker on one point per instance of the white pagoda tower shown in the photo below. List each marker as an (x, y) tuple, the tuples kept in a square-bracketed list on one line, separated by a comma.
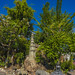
[(32, 51)]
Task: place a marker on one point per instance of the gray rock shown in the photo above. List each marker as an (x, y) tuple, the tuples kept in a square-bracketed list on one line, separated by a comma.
[(41, 72), (2, 73)]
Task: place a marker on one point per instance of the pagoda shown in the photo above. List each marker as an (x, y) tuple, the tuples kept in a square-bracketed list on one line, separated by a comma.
[(32, 51)]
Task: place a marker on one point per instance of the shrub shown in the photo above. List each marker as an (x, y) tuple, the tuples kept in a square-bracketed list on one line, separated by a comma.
[(2, 64), (65, 65), (19, 57)]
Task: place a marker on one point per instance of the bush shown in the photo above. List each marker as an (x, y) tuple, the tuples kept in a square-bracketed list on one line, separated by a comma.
[(19, 57), (74, 67), (65, 65), (2, 64)]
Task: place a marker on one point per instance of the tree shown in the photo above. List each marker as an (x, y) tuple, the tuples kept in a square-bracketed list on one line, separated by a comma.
[(22, 14), (56, 28), (15, 29)]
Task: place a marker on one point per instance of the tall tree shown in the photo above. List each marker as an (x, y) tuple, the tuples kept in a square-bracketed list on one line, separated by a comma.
[(15, 29), (56, 28), (22, 14)]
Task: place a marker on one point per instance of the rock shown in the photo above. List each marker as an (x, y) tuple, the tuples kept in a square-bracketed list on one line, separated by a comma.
[(1, 69), (5, 66), (41, 72), (71, 73), (2, 73)]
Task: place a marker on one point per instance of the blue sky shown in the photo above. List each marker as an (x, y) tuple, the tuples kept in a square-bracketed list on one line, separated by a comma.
[(68, 5)]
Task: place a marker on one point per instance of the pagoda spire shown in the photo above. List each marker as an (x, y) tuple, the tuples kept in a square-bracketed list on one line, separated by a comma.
[(32, 51)]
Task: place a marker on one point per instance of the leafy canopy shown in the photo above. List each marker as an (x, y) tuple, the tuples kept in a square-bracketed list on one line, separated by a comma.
[(56, 34)]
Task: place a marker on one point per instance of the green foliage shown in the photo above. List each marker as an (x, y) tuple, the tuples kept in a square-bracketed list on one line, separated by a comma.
[(39, 57), (71, 63), (22, 14), (74, 67), (15, 30), (56, 31), (65, 65), (2, 64), (20, 11), (38, 37), (47, 53), (19, 57)]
